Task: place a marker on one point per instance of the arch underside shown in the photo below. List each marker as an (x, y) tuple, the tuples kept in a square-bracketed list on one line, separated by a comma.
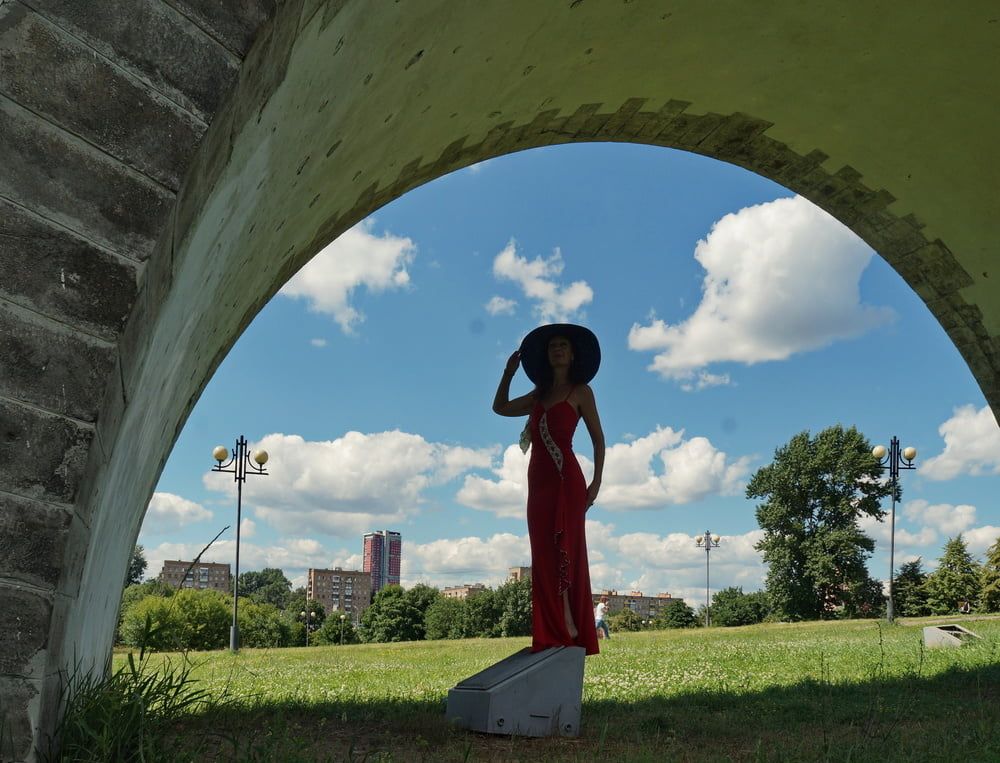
[(292, 125)]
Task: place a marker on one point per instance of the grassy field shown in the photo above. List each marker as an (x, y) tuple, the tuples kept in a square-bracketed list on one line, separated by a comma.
[(854, 690)]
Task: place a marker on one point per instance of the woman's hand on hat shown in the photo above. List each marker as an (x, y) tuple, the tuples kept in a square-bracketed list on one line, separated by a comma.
[(512, 363)]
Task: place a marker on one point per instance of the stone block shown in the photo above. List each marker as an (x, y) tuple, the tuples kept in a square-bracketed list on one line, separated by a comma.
[(233, 22), (66, 180), (24, 631), (156, 42), (32, 539), (17, 720), (51, 366), (43, 454), (116, 111), (51, 271)]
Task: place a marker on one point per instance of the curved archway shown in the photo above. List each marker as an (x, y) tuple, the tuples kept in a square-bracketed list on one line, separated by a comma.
[(338, 110)]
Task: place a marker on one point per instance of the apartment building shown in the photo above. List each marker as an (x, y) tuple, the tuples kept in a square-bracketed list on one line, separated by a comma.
[(181, 574), (349, 591)]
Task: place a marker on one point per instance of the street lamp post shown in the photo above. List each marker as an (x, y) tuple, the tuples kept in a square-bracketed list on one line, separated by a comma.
[(893, 459), (307, 616), (342, 629), (708, 542), (237, 465)]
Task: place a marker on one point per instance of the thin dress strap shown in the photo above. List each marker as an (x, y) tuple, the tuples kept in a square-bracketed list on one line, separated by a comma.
[(570, 392)]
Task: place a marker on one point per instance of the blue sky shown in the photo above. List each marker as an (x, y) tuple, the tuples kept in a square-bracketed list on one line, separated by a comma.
[(732, 315)]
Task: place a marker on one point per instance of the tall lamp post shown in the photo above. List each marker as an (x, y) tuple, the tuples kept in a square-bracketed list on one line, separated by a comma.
[(707, 542), (893, 459), (241, 463), (307, 616), (342, 629)]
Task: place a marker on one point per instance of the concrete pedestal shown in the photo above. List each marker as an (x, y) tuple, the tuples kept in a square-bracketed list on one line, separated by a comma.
[(527, 694)]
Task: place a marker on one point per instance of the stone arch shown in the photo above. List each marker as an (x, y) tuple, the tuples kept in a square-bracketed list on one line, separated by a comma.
[(282, 126)]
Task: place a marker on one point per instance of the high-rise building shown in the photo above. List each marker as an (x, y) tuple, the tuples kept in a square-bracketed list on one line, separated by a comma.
[(382, 555), (349, 591), (182, 574)]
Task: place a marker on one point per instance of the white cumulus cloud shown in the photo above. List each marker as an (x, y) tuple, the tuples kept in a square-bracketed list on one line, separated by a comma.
[(537, 278), (780, 278), (501, 306), (346, 486), (944, 517), (971, 445), (166, 511), (356, 258), (455, 561)]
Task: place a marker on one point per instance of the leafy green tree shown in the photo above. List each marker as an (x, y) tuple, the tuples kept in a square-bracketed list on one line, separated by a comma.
[(863, 598), (482, 615), (135, 593), (731, 607), (167, 625), (956, 579), (625, 620), (268, 586), (392, 616), (514, 602), (337, 629), (990, 580), (136, 566), (813, 494), (206, 616), (909, 590), (297, 604), (421, 597), (677, 614), (263, 626), (445, 618)]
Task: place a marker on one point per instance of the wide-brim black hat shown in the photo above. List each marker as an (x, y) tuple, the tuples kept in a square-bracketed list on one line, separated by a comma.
[(586, 352)]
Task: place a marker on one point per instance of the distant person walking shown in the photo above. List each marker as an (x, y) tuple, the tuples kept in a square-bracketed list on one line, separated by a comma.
[(600, 611)]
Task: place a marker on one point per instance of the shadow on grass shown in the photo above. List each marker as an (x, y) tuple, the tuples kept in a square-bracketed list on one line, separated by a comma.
[(952, 715)]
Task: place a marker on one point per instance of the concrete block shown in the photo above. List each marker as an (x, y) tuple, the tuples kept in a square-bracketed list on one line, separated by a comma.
[(43, 454), (51, 366), (948, 636), (51, 271), (66, 180), (527, 694), (24, 631), (116, 111), (32, 540)]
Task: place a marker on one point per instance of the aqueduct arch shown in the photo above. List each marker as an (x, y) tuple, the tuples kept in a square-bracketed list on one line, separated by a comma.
[(163, 171)]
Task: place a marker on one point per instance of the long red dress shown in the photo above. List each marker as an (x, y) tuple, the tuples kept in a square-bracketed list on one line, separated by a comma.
[(557, 503)]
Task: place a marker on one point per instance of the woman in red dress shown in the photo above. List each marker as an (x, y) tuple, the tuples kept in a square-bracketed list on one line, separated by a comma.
[(560, 359)]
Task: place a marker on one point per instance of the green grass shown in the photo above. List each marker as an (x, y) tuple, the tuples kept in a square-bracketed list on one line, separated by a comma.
[(854, 690)]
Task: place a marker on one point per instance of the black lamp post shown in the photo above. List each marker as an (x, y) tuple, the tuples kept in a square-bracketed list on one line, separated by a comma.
[(893, 459), (342, 629), (307, 616), (237, 465), (708, 542)]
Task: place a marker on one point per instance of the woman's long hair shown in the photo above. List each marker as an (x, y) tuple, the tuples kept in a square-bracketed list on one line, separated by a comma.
[(544, 386)]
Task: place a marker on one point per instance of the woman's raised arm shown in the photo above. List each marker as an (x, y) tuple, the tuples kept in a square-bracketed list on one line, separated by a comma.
[(588, 412), (502, 404)]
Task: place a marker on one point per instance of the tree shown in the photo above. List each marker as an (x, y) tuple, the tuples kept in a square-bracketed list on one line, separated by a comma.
[(337, 629), (731, 607), (625, 620), (990, 580), (677, 614), (421, 597), (136, 566), (206, 617), (814, 493), (482, 615), (135, 593), (909, 592), (263, 626), (268, 586), (514, 602), (445, 618), (956, 579), (392, 616)]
